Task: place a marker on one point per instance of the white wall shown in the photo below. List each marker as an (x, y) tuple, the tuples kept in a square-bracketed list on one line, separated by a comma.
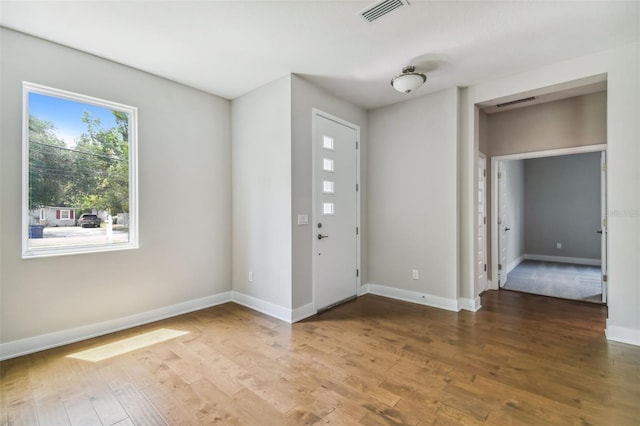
[(261, 181), (304, 97), (622, 66), (412, 197), (562, 200), (185, 202), (514, 170), (566, 123)]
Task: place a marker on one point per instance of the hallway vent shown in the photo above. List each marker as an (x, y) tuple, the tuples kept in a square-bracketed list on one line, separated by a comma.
[(518, 101), (381, 8)]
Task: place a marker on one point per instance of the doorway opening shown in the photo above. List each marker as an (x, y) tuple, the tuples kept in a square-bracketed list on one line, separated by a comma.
[(550, 223)]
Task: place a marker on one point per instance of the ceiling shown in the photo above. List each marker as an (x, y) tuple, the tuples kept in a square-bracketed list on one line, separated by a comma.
[(229, 48)]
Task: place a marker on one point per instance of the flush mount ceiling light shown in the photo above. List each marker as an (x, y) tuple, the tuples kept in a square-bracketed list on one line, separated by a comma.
[(409, 80)]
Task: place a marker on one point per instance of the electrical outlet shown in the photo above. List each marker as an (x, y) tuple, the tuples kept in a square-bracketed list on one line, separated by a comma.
[(559, 245), (415, 274), (250, 276)]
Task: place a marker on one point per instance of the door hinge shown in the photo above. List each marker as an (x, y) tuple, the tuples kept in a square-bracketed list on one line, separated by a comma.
[(484, 172), (499, 175), (499, 221), (485, 220), (356, 144), (604, 222), (357, 272), (499, 266), (485, 267), (604, 278), (604, 166), (357, 230), (357, 187)]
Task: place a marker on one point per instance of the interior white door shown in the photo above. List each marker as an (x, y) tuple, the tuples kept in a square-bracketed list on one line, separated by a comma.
[(603, 224), (502, 224), (481, 264), (335, 215)]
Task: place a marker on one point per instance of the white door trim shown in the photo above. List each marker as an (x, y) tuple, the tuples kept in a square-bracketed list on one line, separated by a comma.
[(604, 226), (494, 192), (482, 286), (314, 264)]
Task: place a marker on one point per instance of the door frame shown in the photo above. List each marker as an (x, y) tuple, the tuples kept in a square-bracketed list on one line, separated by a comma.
[(482, 161), (494, 192), (501, 262), (315, 114)]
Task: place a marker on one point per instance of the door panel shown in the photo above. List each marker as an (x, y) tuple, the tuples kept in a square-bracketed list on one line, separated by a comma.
[(603, 224), (502, 224), (335, 179), (481, 270)]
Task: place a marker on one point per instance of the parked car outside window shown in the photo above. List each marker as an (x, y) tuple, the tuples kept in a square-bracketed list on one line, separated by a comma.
[(89, 220)]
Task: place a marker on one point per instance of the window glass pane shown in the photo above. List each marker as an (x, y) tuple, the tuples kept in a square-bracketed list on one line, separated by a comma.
[(327, 142), (327, 187), (80, 173), (327, 164), (327, 209)]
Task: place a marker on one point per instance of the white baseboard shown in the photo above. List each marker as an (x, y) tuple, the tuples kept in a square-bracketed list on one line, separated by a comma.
[(63, 337), (468, 304), (623, 334), (411, 296), (304, 311), (273, 310), (268, 308), (512, 265), (562, 259), (490, 285)]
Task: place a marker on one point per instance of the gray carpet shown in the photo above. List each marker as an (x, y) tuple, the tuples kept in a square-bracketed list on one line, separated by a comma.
[(564, 280)]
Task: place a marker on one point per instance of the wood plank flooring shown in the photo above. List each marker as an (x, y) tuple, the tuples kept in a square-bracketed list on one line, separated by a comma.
[(521, 360)]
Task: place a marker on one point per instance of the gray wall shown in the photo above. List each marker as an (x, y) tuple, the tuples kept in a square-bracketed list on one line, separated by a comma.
[(272, 184), (562, 201), (261, 152), (185, 198), (304, 97), (622, 67), (567, 123), (412, 197)]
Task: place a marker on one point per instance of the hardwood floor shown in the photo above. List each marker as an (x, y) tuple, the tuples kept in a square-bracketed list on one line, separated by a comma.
[(521, 359)]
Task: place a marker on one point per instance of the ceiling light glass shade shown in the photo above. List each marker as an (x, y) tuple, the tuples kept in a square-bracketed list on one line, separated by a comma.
[(408, 81)]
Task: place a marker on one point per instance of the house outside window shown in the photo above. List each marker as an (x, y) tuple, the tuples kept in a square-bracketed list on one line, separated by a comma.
[(79, 160)]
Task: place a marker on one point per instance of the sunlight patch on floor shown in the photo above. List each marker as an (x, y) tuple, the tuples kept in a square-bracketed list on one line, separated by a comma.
[(127, 345)]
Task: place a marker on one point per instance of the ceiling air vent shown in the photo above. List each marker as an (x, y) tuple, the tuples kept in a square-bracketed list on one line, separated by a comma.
[(381, 8), (519, 101)]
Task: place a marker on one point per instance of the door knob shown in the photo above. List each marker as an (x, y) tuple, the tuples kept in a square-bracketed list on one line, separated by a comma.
[(507, 229), (320, 236), (599, 232)]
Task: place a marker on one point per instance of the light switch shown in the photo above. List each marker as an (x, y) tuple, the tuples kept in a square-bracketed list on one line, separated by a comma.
[(303, 219)]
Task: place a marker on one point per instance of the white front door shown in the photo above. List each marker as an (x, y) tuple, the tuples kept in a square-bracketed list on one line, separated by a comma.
[(502, 224), (336, 210), (481, 264), (603, 224)]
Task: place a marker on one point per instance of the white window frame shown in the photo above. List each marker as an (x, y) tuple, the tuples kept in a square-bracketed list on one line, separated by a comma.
[(132, 243), (68, 214)]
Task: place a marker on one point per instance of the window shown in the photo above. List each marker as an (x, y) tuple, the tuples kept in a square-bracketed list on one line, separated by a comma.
[(327, 142), (79, 190), (64, 214), (327, 164), (328, 187)]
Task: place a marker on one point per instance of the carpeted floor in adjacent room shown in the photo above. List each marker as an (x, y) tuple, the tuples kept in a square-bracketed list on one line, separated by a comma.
[(563, 280)]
